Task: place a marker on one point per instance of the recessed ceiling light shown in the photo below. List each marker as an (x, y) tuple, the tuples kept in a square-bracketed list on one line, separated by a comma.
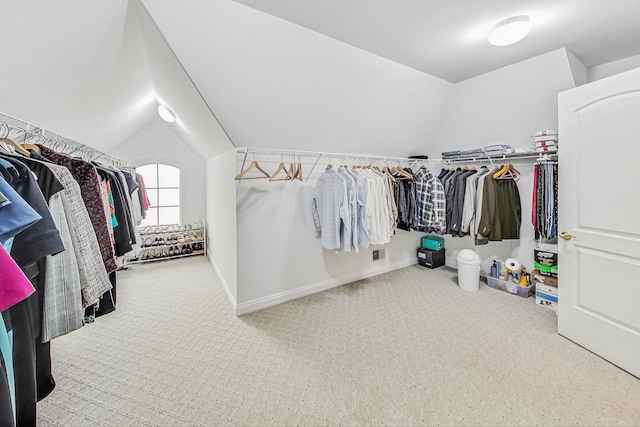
[(166, 113), (510, 31)]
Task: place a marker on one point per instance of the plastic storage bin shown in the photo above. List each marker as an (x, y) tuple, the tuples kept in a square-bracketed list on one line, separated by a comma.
[(510, 287), (435, 243), (431, 259)]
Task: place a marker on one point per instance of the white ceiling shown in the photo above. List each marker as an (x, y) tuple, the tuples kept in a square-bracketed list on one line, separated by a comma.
[(76, 68), (447, 39)]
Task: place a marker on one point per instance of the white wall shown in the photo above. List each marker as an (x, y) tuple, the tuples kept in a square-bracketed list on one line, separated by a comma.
[(158, 143), (221, 221), (279, 257), (275, 84), (506, 105), (578, 69), (615, 67)]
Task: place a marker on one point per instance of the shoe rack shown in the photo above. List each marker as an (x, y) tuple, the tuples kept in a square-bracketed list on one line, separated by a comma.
[(163, 242)]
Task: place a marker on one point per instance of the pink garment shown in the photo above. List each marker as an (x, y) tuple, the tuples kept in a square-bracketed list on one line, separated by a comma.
[(14, 285), (534, 197), (143, 191)]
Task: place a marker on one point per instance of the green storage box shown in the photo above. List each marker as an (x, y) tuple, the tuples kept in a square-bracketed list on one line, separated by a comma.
[(434, 243)]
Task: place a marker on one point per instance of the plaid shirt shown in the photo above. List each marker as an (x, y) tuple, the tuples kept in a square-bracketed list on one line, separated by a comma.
[(62, 310), (431, 203)]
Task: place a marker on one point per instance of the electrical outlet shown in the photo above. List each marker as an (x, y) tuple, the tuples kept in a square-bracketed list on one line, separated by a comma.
[(378, 254)]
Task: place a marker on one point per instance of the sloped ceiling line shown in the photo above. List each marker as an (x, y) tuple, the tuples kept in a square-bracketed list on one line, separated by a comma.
[(276, 84), (174, 86)]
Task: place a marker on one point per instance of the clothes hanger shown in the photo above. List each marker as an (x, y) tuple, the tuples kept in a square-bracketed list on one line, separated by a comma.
[(13, 144), (507, 172), (329, 165), (4, 132), (18, 148), (386, 171), (281, 167), (501, 171), (253, 165), (513, 173), (298, 174), (405, 173), (29, 145)]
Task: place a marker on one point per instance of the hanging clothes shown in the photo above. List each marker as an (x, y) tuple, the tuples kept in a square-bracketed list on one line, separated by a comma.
[(54, 261), (544, 212), (457, 211), (354, 208), (23, 321), (501, 214), (431, 212), (350, 243), (144, 198), (469, 206), (406, 200), (87, 176), (330, 207)]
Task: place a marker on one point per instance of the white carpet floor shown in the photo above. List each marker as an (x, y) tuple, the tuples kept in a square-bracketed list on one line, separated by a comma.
[(404, 348)]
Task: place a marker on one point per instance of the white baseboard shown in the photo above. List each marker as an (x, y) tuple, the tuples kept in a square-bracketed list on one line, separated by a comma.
[(223, 282), (279, 298)]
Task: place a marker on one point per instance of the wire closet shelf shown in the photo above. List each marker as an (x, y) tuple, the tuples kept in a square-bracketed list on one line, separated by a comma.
[(29, 133), (368, 158)]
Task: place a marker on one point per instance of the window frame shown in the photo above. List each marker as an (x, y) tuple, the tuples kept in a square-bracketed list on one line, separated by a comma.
[(156, 187)]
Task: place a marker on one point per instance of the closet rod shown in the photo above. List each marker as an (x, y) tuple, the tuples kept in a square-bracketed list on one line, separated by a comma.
[(478, 159), (270, 151), (51, 139), (318, 155)]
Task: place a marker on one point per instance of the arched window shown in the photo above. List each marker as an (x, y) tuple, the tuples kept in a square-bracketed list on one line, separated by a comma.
[(163, 188)]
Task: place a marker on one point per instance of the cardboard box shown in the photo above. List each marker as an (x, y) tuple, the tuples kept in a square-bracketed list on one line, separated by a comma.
[(431, 259), (546, 261), (537, 277), (547, 300), (547, 289)]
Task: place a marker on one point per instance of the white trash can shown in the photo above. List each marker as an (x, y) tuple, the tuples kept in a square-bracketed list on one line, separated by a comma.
[(468, 270)]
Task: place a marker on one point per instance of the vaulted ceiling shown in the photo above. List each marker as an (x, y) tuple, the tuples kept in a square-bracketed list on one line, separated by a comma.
[(448, 39), (334, 75)]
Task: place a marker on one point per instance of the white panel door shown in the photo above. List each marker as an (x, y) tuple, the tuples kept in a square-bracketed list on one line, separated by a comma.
[(599, 191)]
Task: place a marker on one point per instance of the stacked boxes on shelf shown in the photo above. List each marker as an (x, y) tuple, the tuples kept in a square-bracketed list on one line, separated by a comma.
[(431, 254), (545, 276), (545, 141)]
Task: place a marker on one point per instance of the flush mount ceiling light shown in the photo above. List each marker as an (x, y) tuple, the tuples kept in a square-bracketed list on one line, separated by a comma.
[(166, 113), (510, 31)]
